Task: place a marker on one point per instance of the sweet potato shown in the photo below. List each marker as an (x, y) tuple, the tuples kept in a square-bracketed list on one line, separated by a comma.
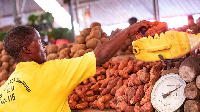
[(130, 92), (155, 73), (11, 61), (80, 90), (147, 96), (139, 95), (107, 80), (191, 91), (192, 106), (52, 48), (88, 50), (92, 80), (123, 64), (52, 56), (105, 98), (127, 52), (113, 103), (74, 97), (86, 81), (106, 65), (79, 53), (103, 40), (111, 84), (3, 75), (101, 77), (100, 70), (97, 28), (65, 51), (85, 32), (79, 39), (119, 84), (129, 67), (94, 24), (147, 107), (198, 81), (134, 80), (61, 56), (189, 68), (2, 82), (100, 105), (95, 87), (107, 105), (137, 107), (77, 47), (11, 69), (93, 43), (3, 52), (82, 106), (72, 104), (90, 98), (62, 46), (123, 74), (5, 58), (144, 75), (93, 34), (5, 65), (89, 93)]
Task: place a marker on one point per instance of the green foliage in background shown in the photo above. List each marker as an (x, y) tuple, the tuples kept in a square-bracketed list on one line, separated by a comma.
[(42, 22), (60, 33), (2, 35), (33, 19)]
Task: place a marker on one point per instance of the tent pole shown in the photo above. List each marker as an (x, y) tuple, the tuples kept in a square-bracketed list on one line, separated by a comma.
[(72, 19), (156, 10)]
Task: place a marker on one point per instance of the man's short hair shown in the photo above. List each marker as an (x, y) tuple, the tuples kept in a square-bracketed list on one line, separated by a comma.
[(16, 38), (132, 20)]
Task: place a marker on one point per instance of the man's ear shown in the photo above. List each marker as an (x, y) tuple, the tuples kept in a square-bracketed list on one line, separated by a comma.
[(26, 50)]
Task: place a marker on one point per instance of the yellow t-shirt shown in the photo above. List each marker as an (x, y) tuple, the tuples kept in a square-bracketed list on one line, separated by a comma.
[(46, 87)]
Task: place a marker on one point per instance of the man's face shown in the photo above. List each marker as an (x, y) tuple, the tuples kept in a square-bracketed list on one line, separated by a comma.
[(37, 49)]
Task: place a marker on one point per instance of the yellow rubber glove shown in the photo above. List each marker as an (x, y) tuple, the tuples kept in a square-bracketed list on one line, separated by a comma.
[(171, 45)]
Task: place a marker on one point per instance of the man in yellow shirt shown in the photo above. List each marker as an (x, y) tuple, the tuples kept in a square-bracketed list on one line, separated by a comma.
[(38, 85)]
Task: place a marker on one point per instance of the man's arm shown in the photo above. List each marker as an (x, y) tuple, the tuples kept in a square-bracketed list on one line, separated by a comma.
[(107, 50)]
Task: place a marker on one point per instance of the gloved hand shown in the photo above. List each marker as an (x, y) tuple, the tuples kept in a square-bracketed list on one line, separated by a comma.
[(171, 45)]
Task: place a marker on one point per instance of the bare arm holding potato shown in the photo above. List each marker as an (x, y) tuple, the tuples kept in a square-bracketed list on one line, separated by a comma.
[(107, 50)]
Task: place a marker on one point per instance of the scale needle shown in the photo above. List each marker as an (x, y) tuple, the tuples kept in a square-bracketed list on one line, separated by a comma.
[(167, 94)]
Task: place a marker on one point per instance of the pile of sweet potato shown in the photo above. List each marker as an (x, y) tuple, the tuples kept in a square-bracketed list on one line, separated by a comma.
[(87, 41), (7, 65), (122, 85)]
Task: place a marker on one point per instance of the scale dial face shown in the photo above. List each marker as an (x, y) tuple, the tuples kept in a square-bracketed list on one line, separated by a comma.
[(168, 93)]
